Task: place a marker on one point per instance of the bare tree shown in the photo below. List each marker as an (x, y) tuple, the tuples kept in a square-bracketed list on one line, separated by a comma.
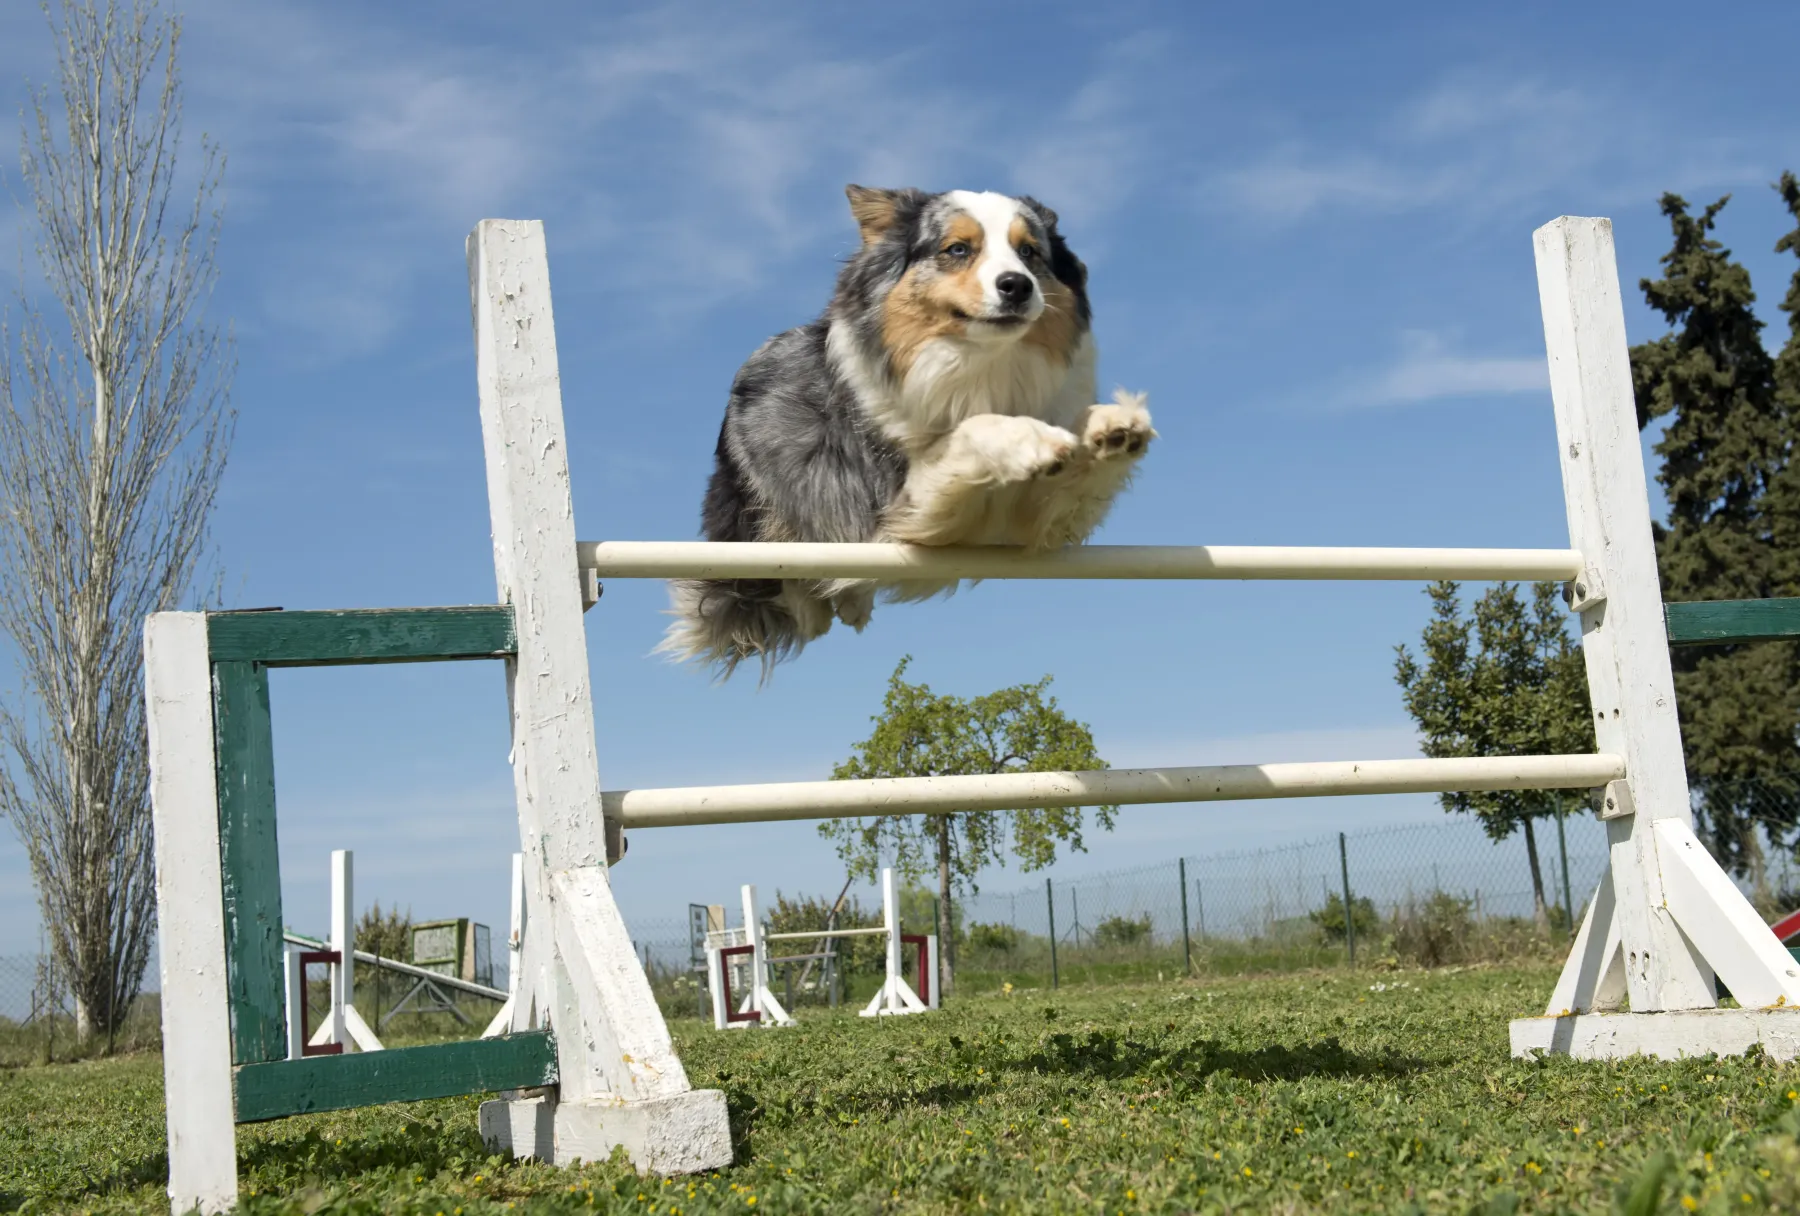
[(114, 426)]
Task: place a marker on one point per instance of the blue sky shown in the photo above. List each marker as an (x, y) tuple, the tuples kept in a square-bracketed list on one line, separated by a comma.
[(1309, 237)]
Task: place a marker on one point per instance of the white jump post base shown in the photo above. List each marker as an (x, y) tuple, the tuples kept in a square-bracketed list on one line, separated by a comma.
[(621, 1083), (1665, 917)]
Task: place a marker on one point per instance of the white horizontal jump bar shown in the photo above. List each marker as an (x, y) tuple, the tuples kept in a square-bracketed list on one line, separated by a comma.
[(1101, 787), (791, 937), (704, 559)]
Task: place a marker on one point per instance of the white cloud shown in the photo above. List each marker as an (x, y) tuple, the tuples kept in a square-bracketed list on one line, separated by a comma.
[(1483, 144), (696, 152), (1428, 370)]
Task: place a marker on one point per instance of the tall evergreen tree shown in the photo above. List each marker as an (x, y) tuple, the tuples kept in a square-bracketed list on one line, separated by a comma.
[(1506, 681), (1723, 447), (1783, 508)]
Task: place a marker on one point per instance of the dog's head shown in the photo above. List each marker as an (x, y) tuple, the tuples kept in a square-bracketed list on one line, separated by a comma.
[(985, 268)]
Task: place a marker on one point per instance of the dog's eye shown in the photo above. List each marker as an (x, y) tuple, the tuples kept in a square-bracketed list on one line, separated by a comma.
[(957, 249), (1027, 252)]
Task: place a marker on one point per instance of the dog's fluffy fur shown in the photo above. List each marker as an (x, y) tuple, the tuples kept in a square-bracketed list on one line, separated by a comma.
[(946, 397)]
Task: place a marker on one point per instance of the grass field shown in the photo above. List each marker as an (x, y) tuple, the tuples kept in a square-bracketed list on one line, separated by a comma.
[(1328, 1091)]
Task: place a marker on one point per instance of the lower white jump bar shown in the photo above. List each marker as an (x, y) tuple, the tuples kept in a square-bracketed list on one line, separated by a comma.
[(898, 563), (1101, 787)]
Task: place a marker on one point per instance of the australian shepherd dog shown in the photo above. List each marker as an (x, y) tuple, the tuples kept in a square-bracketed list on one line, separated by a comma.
[(946, 397)]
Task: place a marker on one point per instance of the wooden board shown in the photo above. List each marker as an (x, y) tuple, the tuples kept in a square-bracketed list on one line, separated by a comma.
[(377, 635), (1702, 622), (196, 1009), (406, 1074), (249, 863), (1623, 634)]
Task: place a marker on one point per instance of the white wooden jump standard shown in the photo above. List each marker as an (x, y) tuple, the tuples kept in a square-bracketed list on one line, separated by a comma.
[(1665, 917)]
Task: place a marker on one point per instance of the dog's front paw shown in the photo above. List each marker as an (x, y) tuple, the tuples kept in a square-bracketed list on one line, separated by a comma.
[(1121, 429), (1036, 450)]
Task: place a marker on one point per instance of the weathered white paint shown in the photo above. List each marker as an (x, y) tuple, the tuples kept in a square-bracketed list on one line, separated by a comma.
[(683, 1133), (1669, 1034), (630, 1057), (556, 772), (1624, 638), (577, 957), (890, 563), (1101, 787), (1715, 916), (190, 914)]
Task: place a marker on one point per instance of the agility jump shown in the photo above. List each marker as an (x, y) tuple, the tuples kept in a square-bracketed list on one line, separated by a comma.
[(759, 1006), (586, 1036)]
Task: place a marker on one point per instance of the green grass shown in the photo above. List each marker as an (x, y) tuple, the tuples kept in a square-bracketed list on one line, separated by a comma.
[(1296, 1093)]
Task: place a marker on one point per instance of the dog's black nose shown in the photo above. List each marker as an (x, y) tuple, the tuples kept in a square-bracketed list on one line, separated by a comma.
[(1014, 288)]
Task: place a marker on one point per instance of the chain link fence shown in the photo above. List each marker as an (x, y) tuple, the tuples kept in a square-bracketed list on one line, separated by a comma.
[(1427, 893)]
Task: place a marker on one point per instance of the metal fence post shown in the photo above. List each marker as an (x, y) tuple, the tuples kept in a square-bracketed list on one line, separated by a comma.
[(1050, 899), (1562, 849), (1187, 949), (1349, 916)]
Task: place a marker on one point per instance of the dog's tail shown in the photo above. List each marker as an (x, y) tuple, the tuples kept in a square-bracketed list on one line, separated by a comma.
[(720, 623)]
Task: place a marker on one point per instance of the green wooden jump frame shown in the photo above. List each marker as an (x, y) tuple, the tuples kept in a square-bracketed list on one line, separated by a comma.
[(588, 1065)]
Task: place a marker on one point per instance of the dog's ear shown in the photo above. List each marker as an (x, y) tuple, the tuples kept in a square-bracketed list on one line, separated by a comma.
[(874, 210), (1044, 213)]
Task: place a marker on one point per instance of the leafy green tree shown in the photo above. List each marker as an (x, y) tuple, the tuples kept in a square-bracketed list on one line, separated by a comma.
[(1724, 446), (1506, 681), (920, 733)]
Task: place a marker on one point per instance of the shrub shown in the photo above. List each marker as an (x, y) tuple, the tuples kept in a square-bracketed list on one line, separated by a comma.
[(1123, 931), (385, 934), (1435, 932), (1002, 939), (1330, 919)]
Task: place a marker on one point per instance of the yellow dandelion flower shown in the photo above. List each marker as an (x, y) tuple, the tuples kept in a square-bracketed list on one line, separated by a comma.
[(1065, 1123), (1687, 1202), (1130, 1194), (1248, 1172), (750, 1202), (1534, 1167), (1351, 1153)]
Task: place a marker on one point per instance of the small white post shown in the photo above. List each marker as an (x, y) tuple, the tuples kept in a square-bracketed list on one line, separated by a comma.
[(890, 916), (931, 969), (294, 990), (754, 939), (895, 995), (716, 976), (515, 939), (190, 914), (342, 930)]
